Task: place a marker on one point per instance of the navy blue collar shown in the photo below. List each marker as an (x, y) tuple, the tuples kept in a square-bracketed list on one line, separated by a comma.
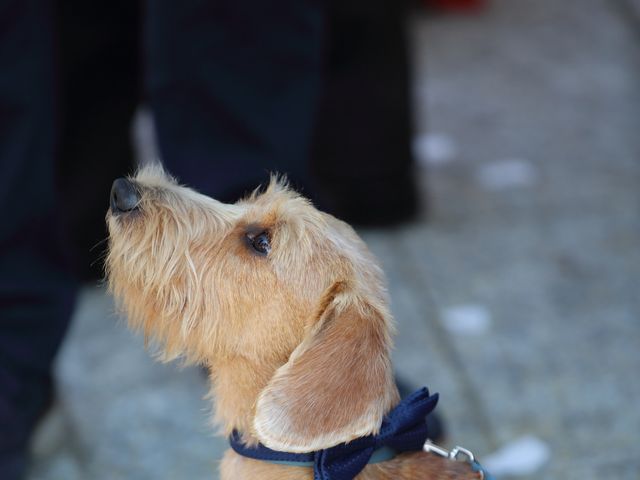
[(404, 429)]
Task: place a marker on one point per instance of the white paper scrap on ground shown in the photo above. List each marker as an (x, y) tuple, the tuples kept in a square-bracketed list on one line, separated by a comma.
[(522, 456), (509, 173), (434, 149), (471, 319)]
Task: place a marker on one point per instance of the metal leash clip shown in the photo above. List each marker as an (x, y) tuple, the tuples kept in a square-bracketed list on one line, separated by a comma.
[(456, 453)]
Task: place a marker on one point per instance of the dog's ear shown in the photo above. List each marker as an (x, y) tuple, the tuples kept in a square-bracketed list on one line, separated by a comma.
[(338, 383)]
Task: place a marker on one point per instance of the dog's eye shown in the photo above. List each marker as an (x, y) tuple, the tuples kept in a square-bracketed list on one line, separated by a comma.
[(260, 243)]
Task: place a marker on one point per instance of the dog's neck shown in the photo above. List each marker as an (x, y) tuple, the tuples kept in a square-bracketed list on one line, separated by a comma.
[(235, 385)]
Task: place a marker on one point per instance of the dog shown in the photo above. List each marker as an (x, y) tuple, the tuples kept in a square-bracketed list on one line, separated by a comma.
[(283, 303)]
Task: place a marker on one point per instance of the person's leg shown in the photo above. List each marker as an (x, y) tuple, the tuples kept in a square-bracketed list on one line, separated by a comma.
[(99, 81), (362, 158), (233, 88), (36, 292)]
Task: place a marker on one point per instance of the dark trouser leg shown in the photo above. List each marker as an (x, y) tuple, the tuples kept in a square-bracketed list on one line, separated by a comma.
[(98, 67), (361, 155), (36, 292), (233, 87)]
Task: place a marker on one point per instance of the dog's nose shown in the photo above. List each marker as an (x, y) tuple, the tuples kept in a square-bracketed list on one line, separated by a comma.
[(124, 196)]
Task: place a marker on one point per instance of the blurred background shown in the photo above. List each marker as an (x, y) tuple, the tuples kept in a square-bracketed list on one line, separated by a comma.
[(489, 152)]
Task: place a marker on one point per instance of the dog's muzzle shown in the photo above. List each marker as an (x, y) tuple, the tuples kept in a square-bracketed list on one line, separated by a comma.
[(124, 196)]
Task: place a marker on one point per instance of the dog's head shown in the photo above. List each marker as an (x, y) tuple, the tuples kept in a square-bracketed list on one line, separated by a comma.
[(269, 279)]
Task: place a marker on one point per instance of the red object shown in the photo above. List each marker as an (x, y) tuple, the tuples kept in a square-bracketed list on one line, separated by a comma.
[(457, 5)]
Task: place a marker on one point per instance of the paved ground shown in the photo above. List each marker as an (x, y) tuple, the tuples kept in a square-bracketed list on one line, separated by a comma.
[(518, 301)]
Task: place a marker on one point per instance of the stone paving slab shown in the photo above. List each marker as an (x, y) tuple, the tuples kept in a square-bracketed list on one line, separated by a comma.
[(556, 262), (123, 415)]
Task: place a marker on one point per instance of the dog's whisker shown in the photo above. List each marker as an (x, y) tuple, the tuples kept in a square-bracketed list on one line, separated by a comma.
[(99, 243)]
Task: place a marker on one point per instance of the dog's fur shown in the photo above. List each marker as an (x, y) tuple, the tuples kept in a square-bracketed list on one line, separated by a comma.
[(297, 341)]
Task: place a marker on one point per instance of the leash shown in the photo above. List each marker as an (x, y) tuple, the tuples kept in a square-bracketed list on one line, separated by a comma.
[(404, 429), (454, 454)]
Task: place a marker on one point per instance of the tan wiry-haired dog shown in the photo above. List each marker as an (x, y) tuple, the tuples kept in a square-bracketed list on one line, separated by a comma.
[(283, 303)]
